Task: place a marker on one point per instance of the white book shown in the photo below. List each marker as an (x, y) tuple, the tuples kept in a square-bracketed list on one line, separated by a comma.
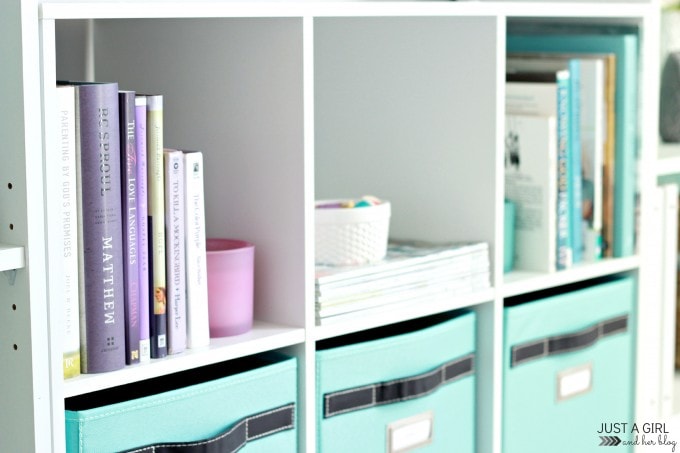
[(531, 183), (198, 328), (173, 164), (546, 95), (69, 230)]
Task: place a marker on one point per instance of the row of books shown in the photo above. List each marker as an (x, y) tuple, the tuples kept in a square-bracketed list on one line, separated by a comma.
[(411, 273), (135, 283), (571, 145)]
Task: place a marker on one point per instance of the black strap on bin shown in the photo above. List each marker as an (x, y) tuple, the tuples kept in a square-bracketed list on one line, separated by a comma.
[(380, 393), (560, 344), (233, 439)]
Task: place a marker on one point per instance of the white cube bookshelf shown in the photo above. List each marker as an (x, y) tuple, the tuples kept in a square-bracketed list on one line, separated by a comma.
[(290, 102)]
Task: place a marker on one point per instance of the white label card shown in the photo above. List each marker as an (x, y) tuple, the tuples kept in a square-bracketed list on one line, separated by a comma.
[(574, 381), (409, 433)]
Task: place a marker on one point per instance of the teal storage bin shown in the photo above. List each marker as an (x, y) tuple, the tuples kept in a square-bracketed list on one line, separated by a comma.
[(569, 369), (254, 407), (386, 394)]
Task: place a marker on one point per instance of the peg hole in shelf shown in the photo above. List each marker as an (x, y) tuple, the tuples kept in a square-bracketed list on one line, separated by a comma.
[(14, 307), (11, 226), (16, 347), (9, 185)]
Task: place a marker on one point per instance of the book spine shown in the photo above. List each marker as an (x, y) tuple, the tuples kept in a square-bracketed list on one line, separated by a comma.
[(69, 229), (574, 167), (142, 229), (102, 310), (608, 175), (198, 328), (128, 148), (564, 253), (156, 226), (626, 189), (175, 257), (592, 154)]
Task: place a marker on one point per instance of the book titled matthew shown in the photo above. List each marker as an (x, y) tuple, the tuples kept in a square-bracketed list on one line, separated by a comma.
[(98, 172)]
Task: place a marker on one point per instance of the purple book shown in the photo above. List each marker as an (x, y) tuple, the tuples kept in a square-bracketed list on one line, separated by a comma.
[(142, 228), (129, 190), (100, 244)]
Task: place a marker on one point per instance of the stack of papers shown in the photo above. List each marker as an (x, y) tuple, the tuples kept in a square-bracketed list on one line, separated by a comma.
[(411, 273)]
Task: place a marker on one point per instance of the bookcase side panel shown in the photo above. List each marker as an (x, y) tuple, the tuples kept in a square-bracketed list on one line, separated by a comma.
[(651, 394), (232, 89), (406, 112), (25, 400)]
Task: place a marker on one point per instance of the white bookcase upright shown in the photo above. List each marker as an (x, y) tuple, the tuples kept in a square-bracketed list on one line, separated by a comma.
[(290, 102)]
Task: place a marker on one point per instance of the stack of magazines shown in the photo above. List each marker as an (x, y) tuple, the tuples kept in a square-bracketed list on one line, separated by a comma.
[(413, 272)]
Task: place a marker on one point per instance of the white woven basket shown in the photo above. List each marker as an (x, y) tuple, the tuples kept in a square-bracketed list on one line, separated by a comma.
[(350, 236)]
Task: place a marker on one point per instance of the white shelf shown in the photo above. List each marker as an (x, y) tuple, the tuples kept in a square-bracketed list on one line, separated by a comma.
[(263, 337), (330, 8), (522, 282), (11, 257)]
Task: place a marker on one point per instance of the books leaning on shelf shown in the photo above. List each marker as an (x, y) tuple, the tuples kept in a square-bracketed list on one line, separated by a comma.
[(116, 309), (589, 108), (412, 273), (620, 46), (541, 63)]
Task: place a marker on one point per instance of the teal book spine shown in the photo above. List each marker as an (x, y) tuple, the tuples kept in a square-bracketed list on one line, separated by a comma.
[(574, 166), (625, 46), (564, 250)]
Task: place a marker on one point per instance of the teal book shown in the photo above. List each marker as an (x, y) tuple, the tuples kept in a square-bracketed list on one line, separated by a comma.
[(542, 62), (624, 44)]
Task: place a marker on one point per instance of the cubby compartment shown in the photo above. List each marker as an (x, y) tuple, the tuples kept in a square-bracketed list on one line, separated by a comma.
[(395, 97), (232, 88), (391, 102)]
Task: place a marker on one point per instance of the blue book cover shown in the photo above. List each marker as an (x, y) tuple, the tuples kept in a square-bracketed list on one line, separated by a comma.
[(624, 45)]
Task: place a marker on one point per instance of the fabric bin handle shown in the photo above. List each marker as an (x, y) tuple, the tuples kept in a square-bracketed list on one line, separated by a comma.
[(560, 344), (232, 440), (397, 390)]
